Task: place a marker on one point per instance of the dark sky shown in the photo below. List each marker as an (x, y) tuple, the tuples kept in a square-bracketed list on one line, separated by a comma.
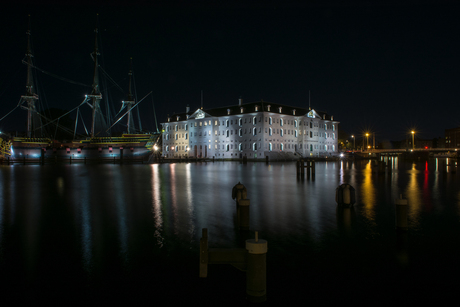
[(379, 66)]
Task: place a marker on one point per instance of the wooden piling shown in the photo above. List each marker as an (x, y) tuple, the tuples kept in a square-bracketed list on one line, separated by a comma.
[(401, 214), (243, 214)]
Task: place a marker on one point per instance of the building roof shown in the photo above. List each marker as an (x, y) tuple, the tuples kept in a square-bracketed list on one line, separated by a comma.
[(262, 106)]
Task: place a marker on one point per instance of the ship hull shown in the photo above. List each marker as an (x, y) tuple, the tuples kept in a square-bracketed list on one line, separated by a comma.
[(127, 146)]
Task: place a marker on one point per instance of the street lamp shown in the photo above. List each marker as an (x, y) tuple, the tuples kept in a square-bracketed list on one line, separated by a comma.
[(367, 140), (353, 137), (413, 133)]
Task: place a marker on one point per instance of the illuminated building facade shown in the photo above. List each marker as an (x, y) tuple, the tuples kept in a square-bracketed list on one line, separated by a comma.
[(255, 130)]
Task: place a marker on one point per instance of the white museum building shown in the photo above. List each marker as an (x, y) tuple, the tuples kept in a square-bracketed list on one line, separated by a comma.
[(256, 130)]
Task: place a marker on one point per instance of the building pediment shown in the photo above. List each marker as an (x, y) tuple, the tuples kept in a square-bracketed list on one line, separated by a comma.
[(312, 114), (198, 114)]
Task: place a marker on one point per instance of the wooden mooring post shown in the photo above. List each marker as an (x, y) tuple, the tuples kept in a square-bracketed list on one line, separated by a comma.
[(310, 167), (239, 194), (252, 259)]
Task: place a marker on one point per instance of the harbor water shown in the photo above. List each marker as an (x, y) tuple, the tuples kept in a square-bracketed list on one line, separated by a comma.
[(94, 234)]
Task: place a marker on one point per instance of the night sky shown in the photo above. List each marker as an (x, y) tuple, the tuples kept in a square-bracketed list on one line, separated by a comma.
[(376, 66)]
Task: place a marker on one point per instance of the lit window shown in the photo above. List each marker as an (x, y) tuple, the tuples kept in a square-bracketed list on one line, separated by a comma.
[(281, 132), (270, 121), (281, 122), (269, 131), (270, 146)]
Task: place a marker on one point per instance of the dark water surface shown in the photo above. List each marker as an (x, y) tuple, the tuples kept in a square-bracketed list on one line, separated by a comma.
[(97, 234)]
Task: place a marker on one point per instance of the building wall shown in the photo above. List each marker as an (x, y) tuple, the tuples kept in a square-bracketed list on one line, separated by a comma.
[(452, 137), (254, 135)]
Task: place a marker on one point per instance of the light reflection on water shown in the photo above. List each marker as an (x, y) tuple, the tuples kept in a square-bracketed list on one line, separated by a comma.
[(122, 213), (413, 195), (368, 193), (157, 204)]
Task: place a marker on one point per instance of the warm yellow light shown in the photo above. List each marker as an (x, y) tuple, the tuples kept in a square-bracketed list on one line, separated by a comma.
[(352, 136), (412, 132), (367, 134)]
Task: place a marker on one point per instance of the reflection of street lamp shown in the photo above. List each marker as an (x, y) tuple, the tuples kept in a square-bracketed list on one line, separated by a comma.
[(413, 133), (367, 140), (353, 141)]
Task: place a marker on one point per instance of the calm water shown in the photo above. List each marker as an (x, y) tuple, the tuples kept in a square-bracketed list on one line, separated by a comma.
[(94, 234)]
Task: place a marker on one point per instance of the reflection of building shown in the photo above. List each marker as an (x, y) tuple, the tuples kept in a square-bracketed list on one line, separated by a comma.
[(254, 130), (452, 137)]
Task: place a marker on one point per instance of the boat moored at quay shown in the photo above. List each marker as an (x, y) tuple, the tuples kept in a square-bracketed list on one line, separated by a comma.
[(98, 143)]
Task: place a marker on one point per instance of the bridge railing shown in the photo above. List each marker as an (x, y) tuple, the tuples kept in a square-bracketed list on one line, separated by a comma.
[(415, 149)]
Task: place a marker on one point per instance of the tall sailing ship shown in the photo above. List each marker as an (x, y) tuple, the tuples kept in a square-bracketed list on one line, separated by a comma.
[(97, 144)]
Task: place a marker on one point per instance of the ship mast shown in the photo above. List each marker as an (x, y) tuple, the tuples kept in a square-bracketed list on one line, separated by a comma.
[(130, 101), (95, 93), (30, 97)]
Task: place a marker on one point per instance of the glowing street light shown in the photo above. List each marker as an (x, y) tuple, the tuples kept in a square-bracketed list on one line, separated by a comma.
[(413, 133), (353, 137), (367, 140)]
